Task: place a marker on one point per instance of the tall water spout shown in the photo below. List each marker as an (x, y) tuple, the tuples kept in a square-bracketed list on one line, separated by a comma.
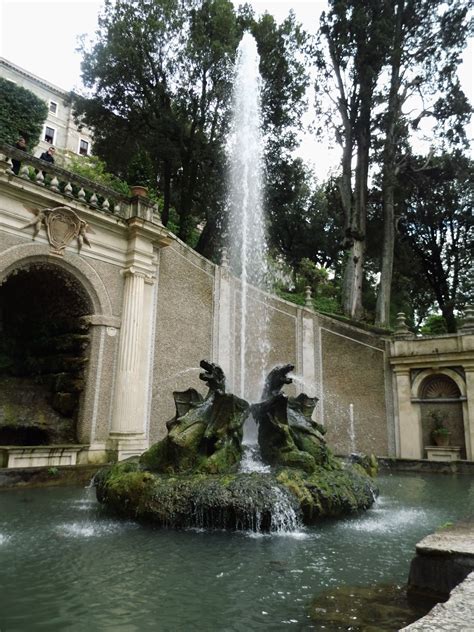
[(247, 242)]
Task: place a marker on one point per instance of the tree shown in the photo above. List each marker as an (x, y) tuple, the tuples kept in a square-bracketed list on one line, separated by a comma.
[(350, 55), (435, 227), (22, 113), (161, 79), (424, 51), (130, 69), (202, 101), (160, 75), (302, 224)]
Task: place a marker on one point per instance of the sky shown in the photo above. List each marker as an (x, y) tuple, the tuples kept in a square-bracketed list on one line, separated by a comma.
[(41, 36)]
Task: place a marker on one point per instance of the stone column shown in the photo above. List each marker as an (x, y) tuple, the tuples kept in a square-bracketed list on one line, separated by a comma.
[(125, 418), (128, 433), (306, 356), (409, 423), (128, 416)]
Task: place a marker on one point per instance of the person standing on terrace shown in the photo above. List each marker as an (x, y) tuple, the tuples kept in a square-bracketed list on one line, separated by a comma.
[(16, 164), (48, 156)]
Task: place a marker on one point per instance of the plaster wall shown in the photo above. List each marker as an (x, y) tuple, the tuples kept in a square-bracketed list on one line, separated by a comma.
[(352, 388), (183, 328), (189, 311)]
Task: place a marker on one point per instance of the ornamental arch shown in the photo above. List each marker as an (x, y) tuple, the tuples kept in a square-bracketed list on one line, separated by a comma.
[(47, 305), (440, 396)]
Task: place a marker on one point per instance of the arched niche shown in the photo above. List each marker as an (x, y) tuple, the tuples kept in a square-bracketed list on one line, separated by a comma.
[(46, 304), (440, 396), (25, 255)]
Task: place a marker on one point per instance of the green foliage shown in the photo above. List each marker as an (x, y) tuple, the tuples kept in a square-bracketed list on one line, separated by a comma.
[(304, 221), (433, 325), (434, 228), (161, 75), (93, 168), (22, 113), (140, 170), (293, 297), (439, 427), (327, 304), (417, 45)]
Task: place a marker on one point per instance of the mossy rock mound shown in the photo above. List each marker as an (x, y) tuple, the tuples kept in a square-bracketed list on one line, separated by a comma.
[(278, 501)]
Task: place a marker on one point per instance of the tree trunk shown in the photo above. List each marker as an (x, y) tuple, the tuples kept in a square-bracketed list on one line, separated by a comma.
[(382, 311), (353, 280), (185, 211), (449, 318), (165, 215), (389, 177), (354, 268)]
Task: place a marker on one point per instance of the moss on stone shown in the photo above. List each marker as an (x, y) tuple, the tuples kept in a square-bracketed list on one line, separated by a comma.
[(232, 500)]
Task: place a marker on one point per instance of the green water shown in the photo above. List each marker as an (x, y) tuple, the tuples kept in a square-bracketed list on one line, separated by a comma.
[(66, 565)]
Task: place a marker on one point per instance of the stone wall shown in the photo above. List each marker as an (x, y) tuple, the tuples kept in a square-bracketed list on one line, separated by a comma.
[(183, 328), (353, 389), (347, 366), (158, 308)]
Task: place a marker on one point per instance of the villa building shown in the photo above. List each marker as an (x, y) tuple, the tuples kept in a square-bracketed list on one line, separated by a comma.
[(59, 129)]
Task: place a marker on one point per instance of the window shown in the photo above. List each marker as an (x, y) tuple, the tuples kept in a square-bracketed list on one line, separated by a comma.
[(83, 147), (49, 133), (53, 107)]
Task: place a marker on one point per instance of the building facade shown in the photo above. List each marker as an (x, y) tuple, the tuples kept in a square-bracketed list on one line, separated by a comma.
[(59, 129)]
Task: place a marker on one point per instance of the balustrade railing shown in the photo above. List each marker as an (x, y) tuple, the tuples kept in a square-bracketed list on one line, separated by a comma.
[(62, 181)]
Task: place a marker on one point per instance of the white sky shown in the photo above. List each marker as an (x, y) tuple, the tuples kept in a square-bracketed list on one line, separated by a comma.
[(42, 35)]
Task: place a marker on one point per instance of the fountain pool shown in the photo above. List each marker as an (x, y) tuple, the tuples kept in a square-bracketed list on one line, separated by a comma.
[(67, 565)]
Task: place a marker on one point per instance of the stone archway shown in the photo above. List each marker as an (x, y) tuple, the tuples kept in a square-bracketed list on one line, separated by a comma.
[(440, 398), (43, 353)]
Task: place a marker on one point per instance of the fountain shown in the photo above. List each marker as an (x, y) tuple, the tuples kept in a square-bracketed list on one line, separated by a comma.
[(247, 240), (225, 462), (193, 477)]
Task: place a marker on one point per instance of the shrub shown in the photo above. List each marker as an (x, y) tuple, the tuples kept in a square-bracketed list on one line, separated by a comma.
[(22, 113)]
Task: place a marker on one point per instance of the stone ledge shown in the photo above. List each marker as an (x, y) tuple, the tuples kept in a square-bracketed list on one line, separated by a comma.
[(457, 540), (395, 464), (14, 456), (47, 476), (443, 569), (456, 615), (448, 453)]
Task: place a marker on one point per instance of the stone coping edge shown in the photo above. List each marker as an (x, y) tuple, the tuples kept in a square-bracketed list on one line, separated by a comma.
[(392, 464), (48, 476), (456, 614)]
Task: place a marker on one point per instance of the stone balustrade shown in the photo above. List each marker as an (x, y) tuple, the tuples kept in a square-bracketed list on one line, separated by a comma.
[(73, 186)]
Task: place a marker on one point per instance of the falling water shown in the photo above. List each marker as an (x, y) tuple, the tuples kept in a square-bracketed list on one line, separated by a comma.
[(247, 243), (251, 457), (352, 437)]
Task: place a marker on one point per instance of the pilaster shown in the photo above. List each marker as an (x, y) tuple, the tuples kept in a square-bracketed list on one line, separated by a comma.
[(308, 354), (468, 411), (223, 351), (128, 433), (409, 423)]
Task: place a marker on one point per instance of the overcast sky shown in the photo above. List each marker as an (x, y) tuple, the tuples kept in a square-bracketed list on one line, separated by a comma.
[(42, 35)]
